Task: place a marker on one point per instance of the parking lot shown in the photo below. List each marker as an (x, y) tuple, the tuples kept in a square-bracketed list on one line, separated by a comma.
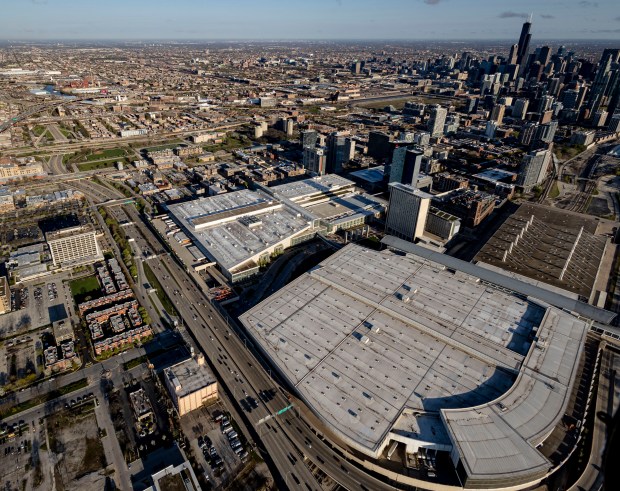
[(217, 456), (37, 304), (15, 455)]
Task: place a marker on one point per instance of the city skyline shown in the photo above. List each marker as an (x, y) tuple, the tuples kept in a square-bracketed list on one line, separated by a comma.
[(431, 20)]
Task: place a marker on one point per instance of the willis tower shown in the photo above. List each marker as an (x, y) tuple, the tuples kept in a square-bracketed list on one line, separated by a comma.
[(524, 42)]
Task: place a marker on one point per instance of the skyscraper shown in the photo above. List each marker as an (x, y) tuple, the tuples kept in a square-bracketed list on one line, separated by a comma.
[(524, 42), (405, 167), (519, 109), (533, 168), (437, 121), (407, 211), (512, 57), (315, 160), (604, 75), (309, 138), (497, 114), (338, 151)]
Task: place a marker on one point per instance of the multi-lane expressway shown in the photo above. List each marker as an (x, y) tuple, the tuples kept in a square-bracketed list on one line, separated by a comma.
[(287, 440)]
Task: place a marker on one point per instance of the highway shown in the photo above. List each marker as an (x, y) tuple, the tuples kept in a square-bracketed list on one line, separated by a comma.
[(607, 401), (151, 140), (237, 366)]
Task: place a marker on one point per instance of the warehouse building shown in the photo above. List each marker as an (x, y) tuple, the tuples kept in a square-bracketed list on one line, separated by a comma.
[(242, 230), (389, 347), (239, 231)]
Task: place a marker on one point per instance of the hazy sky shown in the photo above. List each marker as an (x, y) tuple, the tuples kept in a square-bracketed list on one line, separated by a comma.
[(307, 19)]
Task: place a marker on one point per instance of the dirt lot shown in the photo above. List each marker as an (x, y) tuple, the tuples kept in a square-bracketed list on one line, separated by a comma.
[(76, 450), (18, 361)]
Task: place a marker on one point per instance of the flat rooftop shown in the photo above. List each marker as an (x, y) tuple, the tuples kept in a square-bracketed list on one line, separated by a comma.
[(190, 376), (235, 242), (299, 190), (373, 175), (367, 334), (346, 205), (546, 244), (381, 345), (68, 232), (210, 210)]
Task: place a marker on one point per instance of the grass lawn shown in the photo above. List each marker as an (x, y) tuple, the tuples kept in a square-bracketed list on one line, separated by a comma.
[(568, 152), (85, 287), (555, 191), (39, 130), (105, 164), (107, 154)]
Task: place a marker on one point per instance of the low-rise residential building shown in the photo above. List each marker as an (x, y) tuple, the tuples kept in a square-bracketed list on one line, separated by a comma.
[(191, 384)]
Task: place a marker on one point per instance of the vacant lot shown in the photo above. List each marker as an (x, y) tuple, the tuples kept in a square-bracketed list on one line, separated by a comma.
[(106, 154), (102, 164), (85, 287), (74, 439), (18, 364)]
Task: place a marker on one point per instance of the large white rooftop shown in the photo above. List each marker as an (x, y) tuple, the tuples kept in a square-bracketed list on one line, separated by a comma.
[(233, 229), (368, 337), (235, 242), (209, 211), (300, 190)]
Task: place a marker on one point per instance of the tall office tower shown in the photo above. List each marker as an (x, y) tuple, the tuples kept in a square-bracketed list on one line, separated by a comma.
[(491, 129), (437, 121), (405, 166), (554, 86), (407, 211), (528, 133), (471, 106), (315, 160), (614, 123), (519, 109), (309, 138), (514, 53), (524, 42), (546, 102), (544, 55), (349, 149), (535, 70), (356, 67), (570, 99), (452, 124), (533, 169), (422, 139), (613, 92), (497, 114), (599, 118), (546, 132), (338, 151), (379, 145), (602, 79)]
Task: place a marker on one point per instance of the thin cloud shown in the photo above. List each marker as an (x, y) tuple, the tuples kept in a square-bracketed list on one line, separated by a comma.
[(510, 15), (586, 3), (547, 16), (432, 2)]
